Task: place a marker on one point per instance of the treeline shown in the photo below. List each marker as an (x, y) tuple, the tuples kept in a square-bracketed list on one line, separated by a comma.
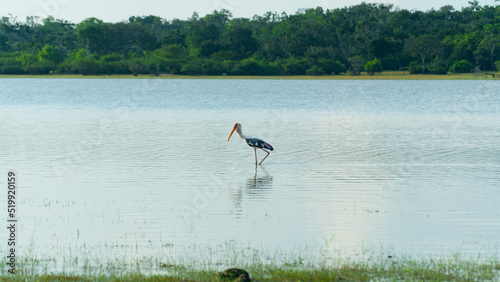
[(362, 38)]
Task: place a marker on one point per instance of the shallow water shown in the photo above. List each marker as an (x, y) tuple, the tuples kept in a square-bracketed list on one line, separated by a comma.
[(143, 167)]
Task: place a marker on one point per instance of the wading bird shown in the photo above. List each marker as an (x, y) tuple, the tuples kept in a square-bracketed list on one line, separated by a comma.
[(252, 142)]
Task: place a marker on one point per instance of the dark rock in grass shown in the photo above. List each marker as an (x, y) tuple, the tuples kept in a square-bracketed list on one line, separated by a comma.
[(235, 274)]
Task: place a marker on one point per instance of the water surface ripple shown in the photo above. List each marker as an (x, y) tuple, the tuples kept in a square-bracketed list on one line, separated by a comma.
[(143, 167)]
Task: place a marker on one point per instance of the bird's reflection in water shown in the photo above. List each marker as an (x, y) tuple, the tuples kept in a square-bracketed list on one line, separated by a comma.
[(260, 182), (256, 187)]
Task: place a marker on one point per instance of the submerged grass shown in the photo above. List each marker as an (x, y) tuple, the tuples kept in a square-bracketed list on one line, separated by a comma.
[(387, 269), (387, 75)]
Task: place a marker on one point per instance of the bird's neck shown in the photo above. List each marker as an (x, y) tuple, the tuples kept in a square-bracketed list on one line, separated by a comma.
[(240, 133)]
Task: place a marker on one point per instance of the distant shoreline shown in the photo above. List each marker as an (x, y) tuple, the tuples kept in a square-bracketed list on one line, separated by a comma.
[(389, 75)]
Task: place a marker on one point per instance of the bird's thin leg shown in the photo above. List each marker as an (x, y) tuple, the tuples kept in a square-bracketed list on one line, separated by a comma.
[(255, 150), (264, 157)]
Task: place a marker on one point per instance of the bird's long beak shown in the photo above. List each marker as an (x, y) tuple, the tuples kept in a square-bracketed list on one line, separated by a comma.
[(232, 131)]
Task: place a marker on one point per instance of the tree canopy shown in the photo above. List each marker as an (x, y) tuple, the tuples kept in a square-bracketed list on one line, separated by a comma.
[(365, 37)]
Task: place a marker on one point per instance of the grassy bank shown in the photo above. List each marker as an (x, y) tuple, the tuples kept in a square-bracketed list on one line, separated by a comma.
[(389, 269), (389, 75)]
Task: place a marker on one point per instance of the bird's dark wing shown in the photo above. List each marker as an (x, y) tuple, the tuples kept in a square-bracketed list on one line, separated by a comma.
[(258, 143)]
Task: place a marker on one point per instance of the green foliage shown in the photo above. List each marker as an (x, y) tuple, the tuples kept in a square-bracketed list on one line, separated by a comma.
[(424, 46), (50, 57), (294, 66), (438, 66), (415, 68), (239, 41), (315, 70), (381, 47), (137, 66), (31, 64), (114, 67), (10, 66), (464, 46), (87, 67), (252, 66), (392, 62), (462, 66), (497, 65), (248, 67), (172, 66), (489, 48), (330, 66), (174, 51), (4, 46), (311, 41), (50, 54), (210, 67), (191, 69), (372, 67), (357, 65)]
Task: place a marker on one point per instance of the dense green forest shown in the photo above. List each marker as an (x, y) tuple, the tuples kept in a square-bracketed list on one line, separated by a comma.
[(363, 38)]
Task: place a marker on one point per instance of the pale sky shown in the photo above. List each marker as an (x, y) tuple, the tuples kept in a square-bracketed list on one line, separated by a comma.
[(115, 11)]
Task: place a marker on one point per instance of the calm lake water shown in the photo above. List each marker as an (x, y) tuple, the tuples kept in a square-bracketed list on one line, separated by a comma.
[(142, 168)]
